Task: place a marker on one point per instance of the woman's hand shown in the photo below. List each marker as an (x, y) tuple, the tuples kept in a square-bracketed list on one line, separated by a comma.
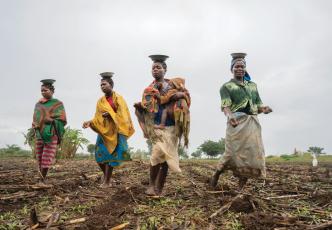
[(233, 121), (106, 115), (138, 105), (86, 124), (35, 125), (178, 95), (265, 109), (231, 118), (48, 120)]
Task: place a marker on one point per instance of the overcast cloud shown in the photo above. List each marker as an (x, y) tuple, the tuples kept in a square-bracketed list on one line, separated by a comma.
[(288, 45)]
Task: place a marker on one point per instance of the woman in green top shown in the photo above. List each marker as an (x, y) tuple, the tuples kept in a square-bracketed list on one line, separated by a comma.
[(49, 119), (240, 102)]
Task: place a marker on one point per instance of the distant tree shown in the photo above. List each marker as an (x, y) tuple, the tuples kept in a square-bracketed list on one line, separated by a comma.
[(12, 148), (139, 154), (316, 150), (91, 148), (197, 154), (182, 152), (221, 143), (15, 150), (213, 148)]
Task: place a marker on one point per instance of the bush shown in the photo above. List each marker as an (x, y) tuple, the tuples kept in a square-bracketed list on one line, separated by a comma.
[(30, 140), (14, 151), (71, 141), (139, 154), (287, 157)]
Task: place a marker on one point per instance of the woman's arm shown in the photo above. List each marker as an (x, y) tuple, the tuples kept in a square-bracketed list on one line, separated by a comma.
[(231, 118)]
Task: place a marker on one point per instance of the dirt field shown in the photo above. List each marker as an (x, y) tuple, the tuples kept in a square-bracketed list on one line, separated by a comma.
[(292, 197)]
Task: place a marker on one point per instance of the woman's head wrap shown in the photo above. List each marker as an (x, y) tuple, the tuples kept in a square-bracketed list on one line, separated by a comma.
[(107, 76), (48, 83), (240, 57), (160, 59)]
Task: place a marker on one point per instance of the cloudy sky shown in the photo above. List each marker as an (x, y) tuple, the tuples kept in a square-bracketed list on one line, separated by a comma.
[(288, 45)]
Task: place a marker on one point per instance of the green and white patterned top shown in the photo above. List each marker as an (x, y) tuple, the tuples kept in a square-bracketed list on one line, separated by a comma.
[(238, 95)]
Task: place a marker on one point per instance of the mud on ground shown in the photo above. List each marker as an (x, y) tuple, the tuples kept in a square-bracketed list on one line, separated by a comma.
[(292, 197)]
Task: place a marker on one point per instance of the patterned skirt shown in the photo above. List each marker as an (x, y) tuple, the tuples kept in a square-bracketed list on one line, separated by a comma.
[(45, 152), (244, 150), (166, 149), (119, 155)]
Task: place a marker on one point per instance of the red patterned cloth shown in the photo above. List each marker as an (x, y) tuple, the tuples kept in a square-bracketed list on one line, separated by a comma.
[(45, 152), (111, 102)]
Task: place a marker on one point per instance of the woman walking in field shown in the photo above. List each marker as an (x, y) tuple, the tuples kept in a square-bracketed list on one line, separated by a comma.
[(164, 117), (49, 119), (241, 103), (113, 124)]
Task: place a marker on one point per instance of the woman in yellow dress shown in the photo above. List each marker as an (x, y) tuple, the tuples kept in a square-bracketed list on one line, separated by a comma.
[(113, 124)]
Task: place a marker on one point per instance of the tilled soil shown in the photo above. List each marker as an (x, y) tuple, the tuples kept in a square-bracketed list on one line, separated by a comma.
[(291, 197)]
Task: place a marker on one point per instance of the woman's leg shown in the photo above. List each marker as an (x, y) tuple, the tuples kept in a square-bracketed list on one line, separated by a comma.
[(102, 167), (215, 178), (108, 174), (161, 179), (39, 152), (242, 182), (49, 151), (154, 171), (44, 173)]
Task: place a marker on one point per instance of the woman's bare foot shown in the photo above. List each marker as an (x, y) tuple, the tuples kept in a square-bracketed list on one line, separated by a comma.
[(106, 185), (102, 180), (159, 192), (242, 183), (41, 176), (150, 191), (41, 184), (213, 181)]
